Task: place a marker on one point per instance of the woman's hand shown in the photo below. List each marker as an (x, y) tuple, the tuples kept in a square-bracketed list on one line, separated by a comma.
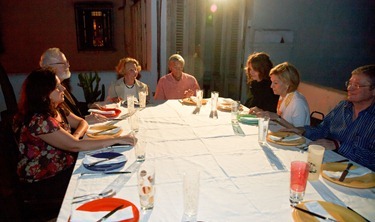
[(116, 100), (254, 110), (95, 118)]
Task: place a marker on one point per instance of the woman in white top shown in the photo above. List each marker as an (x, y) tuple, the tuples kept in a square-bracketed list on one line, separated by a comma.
[(292, 107), (128, 84)]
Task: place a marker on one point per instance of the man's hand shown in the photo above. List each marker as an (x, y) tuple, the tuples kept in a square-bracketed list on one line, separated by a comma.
[(328, 144)]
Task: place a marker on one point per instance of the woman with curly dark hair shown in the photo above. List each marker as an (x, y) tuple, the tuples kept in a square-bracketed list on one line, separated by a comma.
[(47, 146)]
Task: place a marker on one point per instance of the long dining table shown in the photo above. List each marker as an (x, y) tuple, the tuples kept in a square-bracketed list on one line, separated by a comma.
[(240, 180)]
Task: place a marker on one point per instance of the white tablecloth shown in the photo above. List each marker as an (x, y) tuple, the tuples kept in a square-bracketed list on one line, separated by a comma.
[(238, 181)]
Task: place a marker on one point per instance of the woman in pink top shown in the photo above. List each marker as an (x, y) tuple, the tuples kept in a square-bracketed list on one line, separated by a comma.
[(176, 84)]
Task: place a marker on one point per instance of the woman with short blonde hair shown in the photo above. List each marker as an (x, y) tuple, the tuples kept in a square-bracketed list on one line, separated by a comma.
[(292, 108)]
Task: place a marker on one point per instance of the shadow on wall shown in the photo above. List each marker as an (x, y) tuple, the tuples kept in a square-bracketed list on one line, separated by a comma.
[(320, 98)]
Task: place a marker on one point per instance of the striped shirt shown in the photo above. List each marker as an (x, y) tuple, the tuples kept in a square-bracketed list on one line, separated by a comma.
[(356, 138)]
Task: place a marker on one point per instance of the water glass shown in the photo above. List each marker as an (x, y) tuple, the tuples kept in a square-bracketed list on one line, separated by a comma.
[(199, 95), (142, 99), (263, 129), (234, 111), (299, 173), (134, 122), (315, 158), (146, 185), (140, 150), (191, 194), (130, 103), (214, 98)]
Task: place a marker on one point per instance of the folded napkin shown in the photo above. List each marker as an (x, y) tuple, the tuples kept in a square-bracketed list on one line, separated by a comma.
[(110, 132), (248, 120), (357, 172), (120, 215), (103, 112), (314, 206), (227, 101), (91, 159), (285, 139)]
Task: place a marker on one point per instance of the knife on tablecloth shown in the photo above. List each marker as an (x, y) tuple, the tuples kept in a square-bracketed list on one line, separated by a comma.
[(346, 171)]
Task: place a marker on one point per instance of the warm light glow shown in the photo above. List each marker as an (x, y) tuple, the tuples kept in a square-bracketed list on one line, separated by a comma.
[(213, 8)]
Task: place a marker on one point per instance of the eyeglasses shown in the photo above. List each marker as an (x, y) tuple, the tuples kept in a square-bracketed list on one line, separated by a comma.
[(60, 63), (355, 85)]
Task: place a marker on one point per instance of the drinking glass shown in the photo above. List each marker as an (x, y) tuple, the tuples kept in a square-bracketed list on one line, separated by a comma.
[(146, 185), (214, 98), (263, 129), (142, 99), (299, 173), (140, 150), (314, 159), (191, 194), (130, 103), (234, 111), (134, 122), (199, 95)]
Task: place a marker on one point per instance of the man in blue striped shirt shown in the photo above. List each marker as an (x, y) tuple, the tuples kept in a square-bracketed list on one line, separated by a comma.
[(350, 127)]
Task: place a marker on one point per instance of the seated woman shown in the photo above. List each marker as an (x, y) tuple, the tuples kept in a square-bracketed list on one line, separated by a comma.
[(292, 107), (128, 84), (257, 72), (47, 146)]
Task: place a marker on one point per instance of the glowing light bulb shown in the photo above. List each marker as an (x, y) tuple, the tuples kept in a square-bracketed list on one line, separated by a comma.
[(213, 8)]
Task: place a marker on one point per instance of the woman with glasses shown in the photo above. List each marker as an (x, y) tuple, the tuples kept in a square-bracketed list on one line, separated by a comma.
[(292, 109), (55, 59), (350, 127)]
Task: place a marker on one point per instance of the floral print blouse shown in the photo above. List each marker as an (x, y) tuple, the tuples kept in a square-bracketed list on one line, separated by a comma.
[(38, 159)]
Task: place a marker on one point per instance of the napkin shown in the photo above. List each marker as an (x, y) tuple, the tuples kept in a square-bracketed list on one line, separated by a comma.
[(315, 207), (91, 159), (285, 139), (357, 172), (120, 215), (103, 112), (248, 120), (111, 131)]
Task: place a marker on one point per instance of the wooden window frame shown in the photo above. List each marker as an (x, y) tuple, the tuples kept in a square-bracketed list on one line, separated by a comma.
[(94, 26)]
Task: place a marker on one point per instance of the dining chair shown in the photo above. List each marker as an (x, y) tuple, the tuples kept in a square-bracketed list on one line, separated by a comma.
[(316, 118), (17, 202), (8, 93)]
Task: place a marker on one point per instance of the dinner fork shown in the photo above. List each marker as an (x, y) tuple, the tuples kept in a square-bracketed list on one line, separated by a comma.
[(101, 195)]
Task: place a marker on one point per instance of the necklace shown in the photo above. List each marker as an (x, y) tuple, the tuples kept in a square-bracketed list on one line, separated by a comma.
[(129, 87)]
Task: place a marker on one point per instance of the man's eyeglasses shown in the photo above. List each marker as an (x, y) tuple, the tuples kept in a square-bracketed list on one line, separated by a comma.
[(355, 85), (60, 63)]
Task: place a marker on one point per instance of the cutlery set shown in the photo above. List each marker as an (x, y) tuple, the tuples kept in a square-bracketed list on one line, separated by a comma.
[(102, 160), (104, 194)]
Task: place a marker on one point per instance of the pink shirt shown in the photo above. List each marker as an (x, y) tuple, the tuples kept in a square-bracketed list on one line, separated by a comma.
[(169, 88)]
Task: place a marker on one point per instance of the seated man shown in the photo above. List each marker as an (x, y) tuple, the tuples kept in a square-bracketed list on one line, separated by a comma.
[(350, 127), (55, 59), (176, 84)]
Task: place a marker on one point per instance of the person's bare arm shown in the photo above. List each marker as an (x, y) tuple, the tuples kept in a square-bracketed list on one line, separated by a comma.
[(66, 141), (79, 124)]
